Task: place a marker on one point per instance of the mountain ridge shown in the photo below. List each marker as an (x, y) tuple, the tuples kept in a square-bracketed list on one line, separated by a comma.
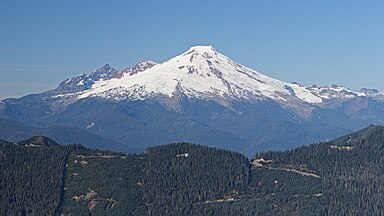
[(167, 82), (207, 62), (199, 96), (14, 131), (341, 177)]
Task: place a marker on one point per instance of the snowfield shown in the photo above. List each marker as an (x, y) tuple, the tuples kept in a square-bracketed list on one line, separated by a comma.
[(200, 72)]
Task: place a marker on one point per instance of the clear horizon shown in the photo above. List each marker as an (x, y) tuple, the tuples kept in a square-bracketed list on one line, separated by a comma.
[(322, 43)]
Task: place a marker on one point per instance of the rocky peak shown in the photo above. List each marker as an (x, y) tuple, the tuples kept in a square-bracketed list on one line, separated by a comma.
[(105, 72), (142, 66), (139, 67)]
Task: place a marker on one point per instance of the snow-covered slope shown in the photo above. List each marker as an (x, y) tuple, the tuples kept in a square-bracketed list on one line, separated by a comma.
[(203, 73), (199, 96), (86, 81), (341, 92), (199, 73)]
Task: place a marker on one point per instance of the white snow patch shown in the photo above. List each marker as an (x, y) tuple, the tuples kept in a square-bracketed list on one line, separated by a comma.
[(81, 82), (89, 126), (304, 94), (335, 92), (62, 95)]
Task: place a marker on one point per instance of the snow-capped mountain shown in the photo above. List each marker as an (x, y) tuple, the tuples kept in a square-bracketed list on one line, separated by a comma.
[(202, 73), (341, 92), (139, 67), (199, 96), (105, 73), (85, 81)]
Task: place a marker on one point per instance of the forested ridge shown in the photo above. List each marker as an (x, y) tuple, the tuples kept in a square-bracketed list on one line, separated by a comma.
[(351, 169), (31, 177), (180, 177), (341, 177)]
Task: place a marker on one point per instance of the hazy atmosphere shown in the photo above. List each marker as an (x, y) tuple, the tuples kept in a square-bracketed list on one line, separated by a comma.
[(321, 42)]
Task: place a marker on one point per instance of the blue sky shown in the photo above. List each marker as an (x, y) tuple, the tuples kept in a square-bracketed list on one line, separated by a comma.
[(312, 42)]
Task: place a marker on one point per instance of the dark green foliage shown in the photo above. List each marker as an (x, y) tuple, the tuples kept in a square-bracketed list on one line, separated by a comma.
[(40, 177), (351, 169), (185, 179), (103, 183), (342, 177), (31, 177), (180, 176), (282, 192)]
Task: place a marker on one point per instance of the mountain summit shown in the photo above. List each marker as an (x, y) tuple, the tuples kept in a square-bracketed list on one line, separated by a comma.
[(199, 96), (202, 73)]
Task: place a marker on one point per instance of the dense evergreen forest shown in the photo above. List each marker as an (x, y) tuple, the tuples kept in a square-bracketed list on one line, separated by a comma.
[(342, 177), (351, 169), (31, 179), (179, 177)]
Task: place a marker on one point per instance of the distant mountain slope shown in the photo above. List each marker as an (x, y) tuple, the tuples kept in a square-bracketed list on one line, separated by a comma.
[(16, 131)]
